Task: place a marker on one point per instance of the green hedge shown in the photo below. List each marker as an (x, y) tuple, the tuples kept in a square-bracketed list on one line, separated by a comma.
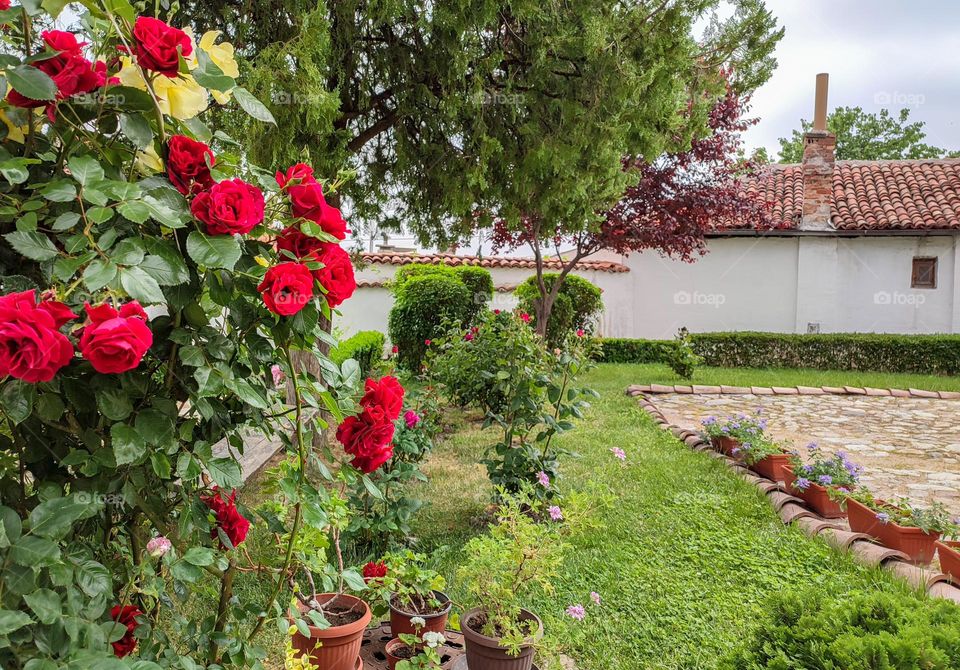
[(424, 308), (366, 347), (924, 354), (577, 306)]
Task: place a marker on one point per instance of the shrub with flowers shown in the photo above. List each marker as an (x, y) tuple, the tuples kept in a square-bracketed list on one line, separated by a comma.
[(156, 286), (407, 583), (741, 427), (756, 450), (836, 473)]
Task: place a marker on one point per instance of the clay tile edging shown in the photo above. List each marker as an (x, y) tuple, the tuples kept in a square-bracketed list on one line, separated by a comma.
[(917, 576), (699, 389), (872, 554)]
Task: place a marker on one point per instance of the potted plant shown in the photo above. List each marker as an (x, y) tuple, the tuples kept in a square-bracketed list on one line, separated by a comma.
[(727, 434), (521, 552), (410, 591), (415, 652), (948, 551), (823, 481), (763, 456), (899, 524)]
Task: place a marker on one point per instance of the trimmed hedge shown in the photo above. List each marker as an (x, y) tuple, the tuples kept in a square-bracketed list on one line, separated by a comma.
[(577, 305), (425, 307), (366, 348), (922, 354)]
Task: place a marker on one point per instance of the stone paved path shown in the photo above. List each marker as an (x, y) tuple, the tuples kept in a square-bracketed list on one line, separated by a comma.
[(908, 446)]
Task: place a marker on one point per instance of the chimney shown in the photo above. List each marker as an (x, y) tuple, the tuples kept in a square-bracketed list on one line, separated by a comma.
[(819, 157)]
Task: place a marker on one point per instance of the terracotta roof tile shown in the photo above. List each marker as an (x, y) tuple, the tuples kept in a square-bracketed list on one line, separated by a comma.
[(487, 261), (871, 195)]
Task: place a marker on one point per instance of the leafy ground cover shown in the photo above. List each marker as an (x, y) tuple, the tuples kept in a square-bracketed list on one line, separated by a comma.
[(686, 557)]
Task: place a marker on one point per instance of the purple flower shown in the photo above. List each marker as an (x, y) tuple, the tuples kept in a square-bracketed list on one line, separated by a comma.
[(735, 451), (544, 479), (619, 453), (555, 513), (883, 517), (595, 597), (709, 421), (824, 480), (576, 612), (802, 483), (813, 447), (411, 418), (807, 468)]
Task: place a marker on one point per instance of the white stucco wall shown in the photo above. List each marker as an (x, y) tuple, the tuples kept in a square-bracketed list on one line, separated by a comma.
[(776, 284)]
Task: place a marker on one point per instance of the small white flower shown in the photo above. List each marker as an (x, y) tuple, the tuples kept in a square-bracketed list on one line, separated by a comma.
[(433, 640), (418, 622)]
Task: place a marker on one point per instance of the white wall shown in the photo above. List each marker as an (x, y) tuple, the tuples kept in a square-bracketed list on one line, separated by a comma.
[(776, 284)]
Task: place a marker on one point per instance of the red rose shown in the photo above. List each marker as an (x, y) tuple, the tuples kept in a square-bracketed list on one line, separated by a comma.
[(127, 617), (298, 244), (4, 5), (233, 524), (368, 438), (115, 341), (336, 275), (301, 172), (229, 207), (287, 288), (374, 570), (187, 164), (307, 201), (158, 46), (69, 70), (386, 394), (32, 348), (331, 221)]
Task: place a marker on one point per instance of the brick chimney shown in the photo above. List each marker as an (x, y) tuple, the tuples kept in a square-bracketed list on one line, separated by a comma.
[(819, 157)]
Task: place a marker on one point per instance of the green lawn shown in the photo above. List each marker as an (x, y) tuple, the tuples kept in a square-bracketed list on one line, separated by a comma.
[(687, 555), (654, 373)]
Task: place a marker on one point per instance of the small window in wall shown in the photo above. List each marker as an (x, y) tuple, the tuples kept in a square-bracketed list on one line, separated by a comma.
[(924, 273)]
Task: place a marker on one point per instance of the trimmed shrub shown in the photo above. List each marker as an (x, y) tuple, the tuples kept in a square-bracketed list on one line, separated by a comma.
[(425, 307), (875, 631), (922, 354), (577, 306), (477, 279), (406, 272), (366, 348)]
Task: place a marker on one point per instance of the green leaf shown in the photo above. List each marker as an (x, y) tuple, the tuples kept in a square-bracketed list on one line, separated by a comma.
[(141, 286), (99, 273), (354, 580), (225, 472), (162, 212), (247, 393), (200, 556), (35, 246), (45, 604), (15, 171), (128, 446), (100, 214), (92, 578), (114, 403), (59, 191), (165, 264), (137, 129), (54, 518), (135, 210), (371, 488), (155, 427), (50, 407), (10, 527), (66, 221), (128, 251), (17, 398), (11, 621), (32, 83), (160, 464), (209, 75), (213, 251), (85, 169), (33, 551), (252, 106)]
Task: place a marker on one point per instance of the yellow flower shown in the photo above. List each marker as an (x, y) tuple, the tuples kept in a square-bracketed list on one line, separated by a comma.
[(14, 133), (148, 161), (223, 57), (182, 98)]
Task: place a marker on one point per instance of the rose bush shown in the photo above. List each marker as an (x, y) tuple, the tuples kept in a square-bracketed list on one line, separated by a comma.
[(151, 306)]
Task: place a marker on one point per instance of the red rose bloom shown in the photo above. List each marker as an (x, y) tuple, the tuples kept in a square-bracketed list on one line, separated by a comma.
[(158, 46), (69, 70), (307, 201), (331, 220), (336, 275), (287, 288), (298, 244), (115, 341), (229, 207), (125, 616), (387, 393), (32, 348), (233, 524), (299, 173), (374, 570), (187, 164), (4, 5), (368, 438)]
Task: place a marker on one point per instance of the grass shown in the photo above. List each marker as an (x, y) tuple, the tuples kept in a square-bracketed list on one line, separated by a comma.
[(686, 557), (655, 373)]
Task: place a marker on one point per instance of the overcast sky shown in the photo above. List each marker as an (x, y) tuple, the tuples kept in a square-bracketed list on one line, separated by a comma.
[(879, 53)]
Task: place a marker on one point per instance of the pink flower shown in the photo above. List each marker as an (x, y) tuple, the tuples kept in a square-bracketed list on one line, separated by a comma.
[(158, 546), (619, 453), (395, 350), (576, 612), (496, 311), (411, 418), (427, 342), (544, 479), (278, 375), (468, 337), (555, 513), (525, 317), (580, 332), (595, 597)]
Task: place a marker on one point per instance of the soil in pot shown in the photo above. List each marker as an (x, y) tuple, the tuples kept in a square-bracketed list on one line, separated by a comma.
[(949, 555), (339, 647), (434, 615), (485, 653), (397, 650), (914, 542)]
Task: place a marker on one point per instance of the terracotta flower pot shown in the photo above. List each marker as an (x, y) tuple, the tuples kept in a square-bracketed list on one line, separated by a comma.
[(817, 497), (949, 555), (485, 653), (437, 622), (773, 467), (389, 650), (339, 647), (914, 542), (724, 444)]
